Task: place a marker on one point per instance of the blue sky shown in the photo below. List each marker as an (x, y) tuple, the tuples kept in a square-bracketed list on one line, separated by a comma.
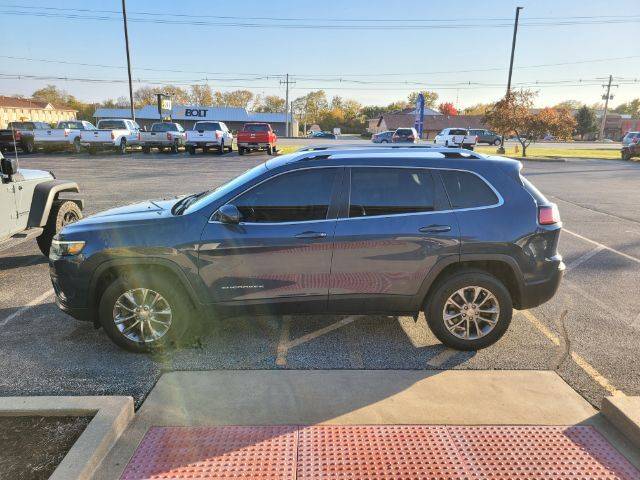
[(433, 58)]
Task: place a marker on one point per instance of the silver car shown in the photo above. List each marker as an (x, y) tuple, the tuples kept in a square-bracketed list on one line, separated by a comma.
[(631, 137), (382, 137)]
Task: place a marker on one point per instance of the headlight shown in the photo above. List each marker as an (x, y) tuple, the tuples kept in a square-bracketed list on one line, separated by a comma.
[(61, 248)]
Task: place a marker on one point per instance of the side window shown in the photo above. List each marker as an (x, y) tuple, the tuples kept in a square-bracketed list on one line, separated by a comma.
[(292, 197), (467, 190), (390, 191)]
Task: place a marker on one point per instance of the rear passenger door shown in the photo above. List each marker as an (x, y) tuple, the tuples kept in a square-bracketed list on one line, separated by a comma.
[(394, 227)]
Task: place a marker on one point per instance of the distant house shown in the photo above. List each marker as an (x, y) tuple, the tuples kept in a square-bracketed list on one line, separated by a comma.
[(432, 123), (14, 109)]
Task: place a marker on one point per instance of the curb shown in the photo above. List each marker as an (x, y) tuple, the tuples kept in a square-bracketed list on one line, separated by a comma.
[(624, 413), (111, 416), (540, 159)]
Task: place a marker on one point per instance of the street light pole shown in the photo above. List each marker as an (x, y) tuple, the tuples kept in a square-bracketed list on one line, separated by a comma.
[(126, 41), (513, 51)]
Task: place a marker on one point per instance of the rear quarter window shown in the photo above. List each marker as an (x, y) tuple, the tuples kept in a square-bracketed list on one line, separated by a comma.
[(467, 190)]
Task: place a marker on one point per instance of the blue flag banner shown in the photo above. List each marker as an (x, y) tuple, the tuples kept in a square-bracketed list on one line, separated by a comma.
[(419, 122)]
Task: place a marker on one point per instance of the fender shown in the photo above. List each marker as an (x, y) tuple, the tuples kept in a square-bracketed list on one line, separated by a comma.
[(138, 262), (43, 196), (468, 257)]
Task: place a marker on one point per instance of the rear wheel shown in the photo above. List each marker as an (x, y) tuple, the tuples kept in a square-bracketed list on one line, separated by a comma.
[(175, 146), (626, 155), (123, 146), (241, 150), (62, 213), (77, 147), (269, 150), (28, 147), (144, 311), (469, 311), (191, 149), (221, 148)]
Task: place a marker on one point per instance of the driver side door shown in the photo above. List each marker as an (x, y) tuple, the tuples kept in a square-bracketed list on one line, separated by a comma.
[(279, 255)]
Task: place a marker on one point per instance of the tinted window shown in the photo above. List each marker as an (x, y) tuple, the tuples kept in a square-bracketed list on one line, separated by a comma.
[(458, 131), (164, 127), (404, 131), (111, 124), (207, 127), (467, 190), (292, 197), (390, 191), (256, 128)]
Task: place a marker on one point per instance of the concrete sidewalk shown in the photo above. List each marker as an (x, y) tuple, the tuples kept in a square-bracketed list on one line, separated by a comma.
[(362, 397)]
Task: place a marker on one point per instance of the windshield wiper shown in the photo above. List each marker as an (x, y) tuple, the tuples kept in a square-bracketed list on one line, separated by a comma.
[(184, 203)]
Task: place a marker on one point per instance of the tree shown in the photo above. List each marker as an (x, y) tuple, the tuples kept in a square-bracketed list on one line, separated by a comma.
[(447, 109), (311, 106), (569, 105), (235, 98), (514, 114), (201, 95), (631, 108), (270, 103), (147, 95), (585, 121), (430, 98)]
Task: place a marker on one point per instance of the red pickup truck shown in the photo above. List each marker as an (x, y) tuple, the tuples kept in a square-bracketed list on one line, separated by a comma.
[(256, 136)]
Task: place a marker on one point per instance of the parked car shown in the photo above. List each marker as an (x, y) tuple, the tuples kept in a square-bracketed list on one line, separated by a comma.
[(382, 137), (386, 230), (32, 205), (455, 137), (323, 135), (631, 150), (207, 134), (20, 135), (66, 135), (485, 136), (257, 136), (163, 135), (631, 137), (113, 134), (405, 135)]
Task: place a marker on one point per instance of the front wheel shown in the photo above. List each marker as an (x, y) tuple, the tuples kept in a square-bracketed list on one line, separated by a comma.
[(144, 311), (62, 213), (496, 142), (469, 311)]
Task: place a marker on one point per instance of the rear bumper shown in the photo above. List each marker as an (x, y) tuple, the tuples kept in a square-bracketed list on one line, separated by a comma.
[(253, 144), (208, 143), (538, 292)]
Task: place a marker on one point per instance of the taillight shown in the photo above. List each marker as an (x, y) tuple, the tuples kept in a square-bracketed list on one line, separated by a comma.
[(113, 136), (548, 214), (17, 134), (218, 134), (168, 136), (139, 136)]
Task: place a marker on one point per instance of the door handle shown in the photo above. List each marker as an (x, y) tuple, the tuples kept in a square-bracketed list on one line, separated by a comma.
[(435, 229), (311, 235)]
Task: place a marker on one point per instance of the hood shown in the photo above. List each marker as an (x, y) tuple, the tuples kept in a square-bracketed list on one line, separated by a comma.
[(28, 174)]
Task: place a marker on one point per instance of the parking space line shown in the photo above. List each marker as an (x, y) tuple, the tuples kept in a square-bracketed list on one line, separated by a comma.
[(416, 331), (605, 247), (26, 307), (580, 260), (577, 358), (282, 349), (441, 358), (322, 331)]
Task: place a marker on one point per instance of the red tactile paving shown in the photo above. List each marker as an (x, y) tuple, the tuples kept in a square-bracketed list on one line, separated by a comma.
[(377, 452), (205, 453), (540, 453)]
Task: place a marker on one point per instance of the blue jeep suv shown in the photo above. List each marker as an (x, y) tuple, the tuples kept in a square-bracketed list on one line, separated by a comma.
[(340, 230)]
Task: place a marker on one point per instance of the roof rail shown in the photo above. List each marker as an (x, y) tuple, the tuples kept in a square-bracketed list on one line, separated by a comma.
[(447, 152)]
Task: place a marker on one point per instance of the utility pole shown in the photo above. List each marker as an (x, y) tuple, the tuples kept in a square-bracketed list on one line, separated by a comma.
[(606, 99), (513, 51), (126, 41), (286, 102)]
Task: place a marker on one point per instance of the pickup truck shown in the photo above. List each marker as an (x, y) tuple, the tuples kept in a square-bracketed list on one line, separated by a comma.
[(163, 135), (20, 135), (206, 134), (256, 136), (65, 135), (113, 134), (456, 137)]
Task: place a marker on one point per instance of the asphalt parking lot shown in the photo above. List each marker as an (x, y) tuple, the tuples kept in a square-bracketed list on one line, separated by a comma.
[(595, 348)]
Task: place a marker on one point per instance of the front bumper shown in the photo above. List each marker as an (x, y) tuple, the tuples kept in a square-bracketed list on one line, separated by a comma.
[(70, 287), (538, 292)]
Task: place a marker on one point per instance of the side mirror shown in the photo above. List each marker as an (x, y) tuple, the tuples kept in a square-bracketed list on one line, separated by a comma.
[(9, 166), (228, 214)]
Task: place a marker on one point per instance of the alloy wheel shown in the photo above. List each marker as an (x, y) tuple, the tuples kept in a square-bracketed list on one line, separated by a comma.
[(142, 315), (471, 313)]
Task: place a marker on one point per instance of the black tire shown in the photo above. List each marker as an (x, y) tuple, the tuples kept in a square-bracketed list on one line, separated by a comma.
[(27, 147), (626, 155), (146, 149), (62, 213), (175, 147), (434, 309), (384, 141), (496, 142), (274, 150), (191, 149), (123, 146), (177, 300), (77, 147), (221, 148), (269, 150), (240, 150)]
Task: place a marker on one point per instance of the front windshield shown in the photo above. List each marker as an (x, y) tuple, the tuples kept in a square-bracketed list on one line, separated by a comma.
[(222, 190)]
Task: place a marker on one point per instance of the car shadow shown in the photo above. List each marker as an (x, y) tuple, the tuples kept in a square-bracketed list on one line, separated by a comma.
[(9, 263)]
